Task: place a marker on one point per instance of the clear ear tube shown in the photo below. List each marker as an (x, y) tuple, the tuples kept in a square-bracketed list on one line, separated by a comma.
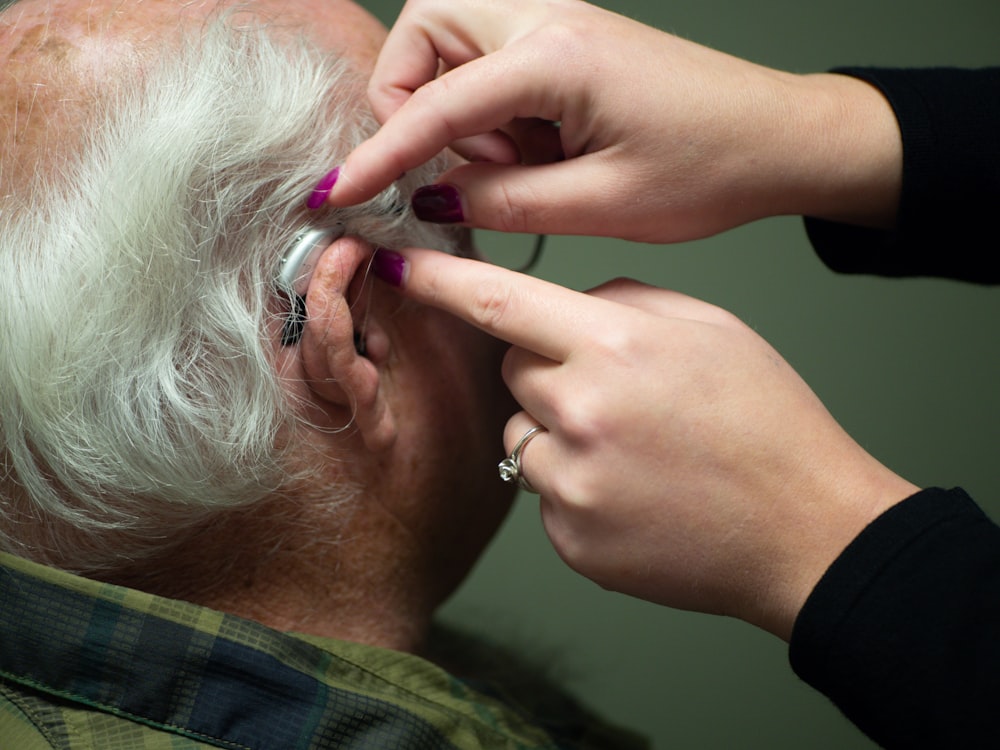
[(296, 268)]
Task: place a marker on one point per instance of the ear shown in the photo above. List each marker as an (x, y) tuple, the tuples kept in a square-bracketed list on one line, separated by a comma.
[(344, 382)]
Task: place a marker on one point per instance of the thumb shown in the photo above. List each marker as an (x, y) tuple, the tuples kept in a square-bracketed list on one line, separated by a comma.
[(568, 197)]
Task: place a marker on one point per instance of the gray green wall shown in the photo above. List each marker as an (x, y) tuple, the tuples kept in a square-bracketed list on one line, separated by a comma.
[(910, 368)]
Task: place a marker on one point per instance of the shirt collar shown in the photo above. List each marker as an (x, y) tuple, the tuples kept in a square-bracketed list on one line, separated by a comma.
[(212, 676)]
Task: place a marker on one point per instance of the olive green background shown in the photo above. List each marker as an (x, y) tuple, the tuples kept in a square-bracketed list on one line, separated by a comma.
[(909, 367)]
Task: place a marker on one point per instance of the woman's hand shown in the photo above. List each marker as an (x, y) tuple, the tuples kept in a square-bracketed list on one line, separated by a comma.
[(659, 139), (684, 461)]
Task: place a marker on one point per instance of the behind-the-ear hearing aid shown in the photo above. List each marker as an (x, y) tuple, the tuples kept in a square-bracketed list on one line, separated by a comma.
[(296, 269)]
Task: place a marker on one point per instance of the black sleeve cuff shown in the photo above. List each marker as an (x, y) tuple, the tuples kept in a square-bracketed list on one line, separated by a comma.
[(903, 630), (949, 120)]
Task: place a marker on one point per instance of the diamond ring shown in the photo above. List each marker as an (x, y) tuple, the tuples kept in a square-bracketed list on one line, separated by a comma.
[(510, 467)]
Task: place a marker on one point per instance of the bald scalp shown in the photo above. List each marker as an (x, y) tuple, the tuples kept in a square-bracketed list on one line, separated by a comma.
[(59, 60), (40, 95)]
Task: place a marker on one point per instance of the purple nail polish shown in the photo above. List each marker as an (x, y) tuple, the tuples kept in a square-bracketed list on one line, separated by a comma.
[(389, 266), (322, 190), (438, 204)]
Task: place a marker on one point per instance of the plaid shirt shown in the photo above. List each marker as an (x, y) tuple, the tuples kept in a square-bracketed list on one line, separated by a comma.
[(90, 665)]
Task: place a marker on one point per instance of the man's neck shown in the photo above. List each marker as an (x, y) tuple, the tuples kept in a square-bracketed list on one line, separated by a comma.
[(365, 580)]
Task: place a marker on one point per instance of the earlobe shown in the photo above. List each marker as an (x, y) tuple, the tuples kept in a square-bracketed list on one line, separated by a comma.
[(342, 372)]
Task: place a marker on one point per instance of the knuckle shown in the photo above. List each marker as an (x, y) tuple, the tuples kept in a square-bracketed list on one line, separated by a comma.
[(572, 552), (427, 102), (580, 426), (616, 346), (620, 288), (573, 493), (722, 318), (730, 320), (510, 366), (566, 38), (380, 99), (490, 305), (509, 208), (580, 418), (581, 524), (617, 284)]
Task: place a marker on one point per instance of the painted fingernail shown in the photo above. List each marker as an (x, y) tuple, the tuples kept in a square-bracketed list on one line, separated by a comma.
[(322, 190), (438, 204), (389, 266)]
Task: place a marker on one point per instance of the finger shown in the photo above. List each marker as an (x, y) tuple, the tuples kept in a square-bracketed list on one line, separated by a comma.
[(523, 141), (537, 315), (538, 141), (568, 198), (386, 96), (428, 39), (473, 99), (408, 59), (496, 147), (537, 383)]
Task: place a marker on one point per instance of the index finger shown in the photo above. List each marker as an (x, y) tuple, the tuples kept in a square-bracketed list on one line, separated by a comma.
[(432, 32), (533, 314), (470, 100)]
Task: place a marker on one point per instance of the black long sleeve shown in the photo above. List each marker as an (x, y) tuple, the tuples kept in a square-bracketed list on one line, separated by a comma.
[(949, 120), (903, 631)]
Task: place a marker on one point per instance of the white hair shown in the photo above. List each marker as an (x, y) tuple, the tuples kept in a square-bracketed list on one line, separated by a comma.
[(138, 396)]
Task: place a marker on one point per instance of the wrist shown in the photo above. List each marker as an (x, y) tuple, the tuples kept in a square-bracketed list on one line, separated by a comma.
[(825, 527), (843, 152)]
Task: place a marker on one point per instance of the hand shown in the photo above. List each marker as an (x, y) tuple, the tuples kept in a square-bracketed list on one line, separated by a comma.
[(660, 139), (684, 462)]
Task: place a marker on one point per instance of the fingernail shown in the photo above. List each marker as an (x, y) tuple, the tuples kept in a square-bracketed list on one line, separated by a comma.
[(322, 190), (389, 266), (438, 204)]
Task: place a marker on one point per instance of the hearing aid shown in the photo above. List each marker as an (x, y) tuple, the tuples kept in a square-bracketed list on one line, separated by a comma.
[(294, 272), (298, 263)]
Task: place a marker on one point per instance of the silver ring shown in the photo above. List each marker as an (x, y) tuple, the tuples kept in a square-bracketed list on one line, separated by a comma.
[(510, 467)]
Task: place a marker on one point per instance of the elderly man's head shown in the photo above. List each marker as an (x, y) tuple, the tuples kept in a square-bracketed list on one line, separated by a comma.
[(156, 157)]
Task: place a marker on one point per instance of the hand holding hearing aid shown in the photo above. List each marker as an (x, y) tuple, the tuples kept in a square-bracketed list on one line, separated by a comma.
[(658, 139)]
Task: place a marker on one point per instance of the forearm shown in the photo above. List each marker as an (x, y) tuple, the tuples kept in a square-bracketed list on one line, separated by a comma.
[(949, 120), (901, 631)]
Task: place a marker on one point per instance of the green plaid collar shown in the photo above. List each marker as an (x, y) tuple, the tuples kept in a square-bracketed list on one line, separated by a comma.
[(220, 681)]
